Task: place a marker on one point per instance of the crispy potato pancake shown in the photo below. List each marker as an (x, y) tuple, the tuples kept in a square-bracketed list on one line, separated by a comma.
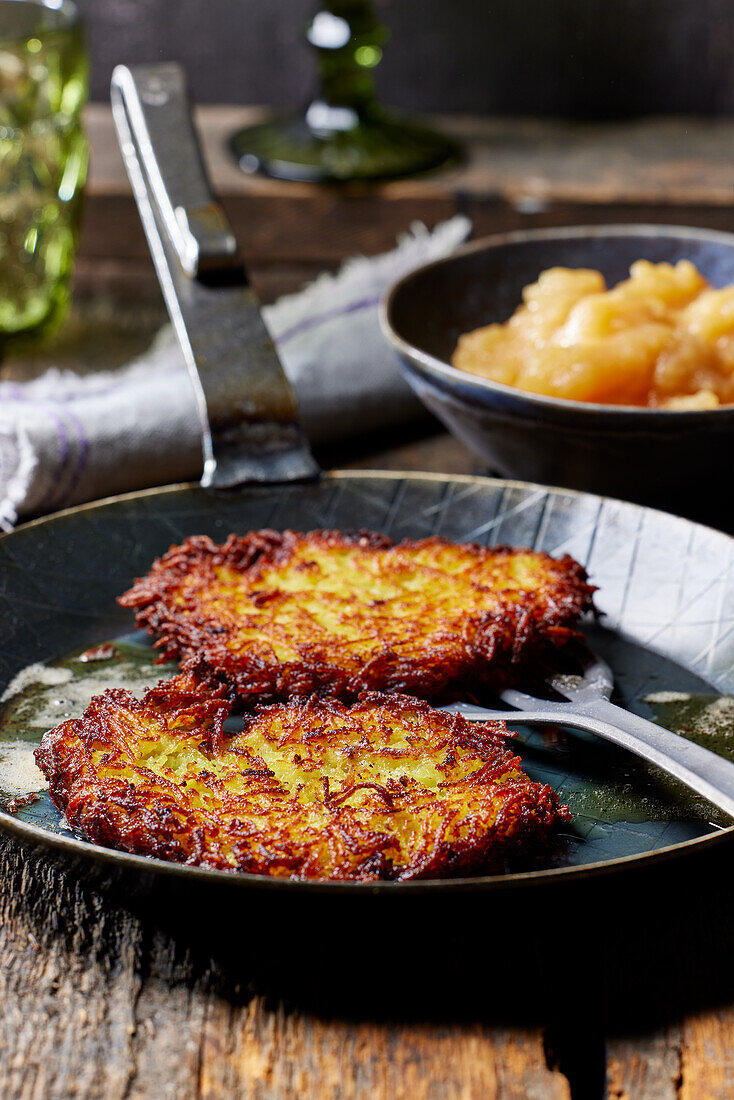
[(283, 615), (386, 788)]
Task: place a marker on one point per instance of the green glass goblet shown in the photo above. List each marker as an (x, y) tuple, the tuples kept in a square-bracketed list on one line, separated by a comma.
[(344, 133)]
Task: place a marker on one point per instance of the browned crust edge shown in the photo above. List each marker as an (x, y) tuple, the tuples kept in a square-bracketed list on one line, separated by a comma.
[(492, 652), (148, 820)]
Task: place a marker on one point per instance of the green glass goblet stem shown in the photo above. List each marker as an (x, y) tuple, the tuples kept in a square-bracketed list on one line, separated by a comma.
[(344, 133)]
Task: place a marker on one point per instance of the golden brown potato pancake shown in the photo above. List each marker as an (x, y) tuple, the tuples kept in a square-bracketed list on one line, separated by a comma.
[(282, 615), (386, 788)]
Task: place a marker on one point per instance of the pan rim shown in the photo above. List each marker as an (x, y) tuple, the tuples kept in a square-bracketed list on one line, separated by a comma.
[(37, 836), (349, 474), (72, 846)]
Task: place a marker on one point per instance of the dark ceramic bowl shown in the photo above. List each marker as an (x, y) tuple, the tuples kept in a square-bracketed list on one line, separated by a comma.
[(671, 459)]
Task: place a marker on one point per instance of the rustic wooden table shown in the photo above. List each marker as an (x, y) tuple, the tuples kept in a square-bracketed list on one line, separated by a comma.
[(101, 1001)]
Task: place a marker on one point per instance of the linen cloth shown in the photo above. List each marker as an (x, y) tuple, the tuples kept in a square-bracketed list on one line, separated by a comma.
[(65, 438)]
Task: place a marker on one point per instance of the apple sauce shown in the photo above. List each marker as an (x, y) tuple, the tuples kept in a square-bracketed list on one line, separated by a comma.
[(663, 338)]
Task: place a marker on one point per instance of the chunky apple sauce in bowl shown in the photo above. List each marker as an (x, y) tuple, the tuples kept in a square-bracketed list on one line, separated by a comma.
[(599, 358), (663, 338)]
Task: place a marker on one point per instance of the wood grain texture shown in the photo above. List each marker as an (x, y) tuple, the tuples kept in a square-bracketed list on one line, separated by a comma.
[(644, 1067), (99, 1005), (707, 1055), (667, 160), (274, 1055), (69, 982), (518, 173)]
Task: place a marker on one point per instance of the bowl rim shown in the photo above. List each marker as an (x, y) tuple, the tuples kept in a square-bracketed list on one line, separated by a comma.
[(437, 369)]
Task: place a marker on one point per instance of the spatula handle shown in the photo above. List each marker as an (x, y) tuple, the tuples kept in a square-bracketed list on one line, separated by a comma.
[(248, 410)]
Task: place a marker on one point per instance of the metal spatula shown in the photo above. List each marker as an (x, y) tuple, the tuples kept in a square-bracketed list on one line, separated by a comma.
[(588, 708)]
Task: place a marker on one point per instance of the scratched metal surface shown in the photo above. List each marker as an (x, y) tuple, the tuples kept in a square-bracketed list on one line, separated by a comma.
[(666, 588)]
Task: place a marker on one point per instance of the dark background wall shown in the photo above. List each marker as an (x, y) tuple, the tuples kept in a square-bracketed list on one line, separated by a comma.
[(584, 58)]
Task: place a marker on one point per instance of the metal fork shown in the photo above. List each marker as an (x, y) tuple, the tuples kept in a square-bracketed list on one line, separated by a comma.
[(588, 707)]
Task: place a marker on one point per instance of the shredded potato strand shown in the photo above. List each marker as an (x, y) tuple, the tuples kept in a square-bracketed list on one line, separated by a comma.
[(385, 788), (282, 615)]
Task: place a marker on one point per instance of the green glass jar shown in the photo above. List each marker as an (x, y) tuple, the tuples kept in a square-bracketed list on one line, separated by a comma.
[(44, 82)]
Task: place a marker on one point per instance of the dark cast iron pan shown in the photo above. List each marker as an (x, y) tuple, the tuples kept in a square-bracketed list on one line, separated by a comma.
[(60, 575)]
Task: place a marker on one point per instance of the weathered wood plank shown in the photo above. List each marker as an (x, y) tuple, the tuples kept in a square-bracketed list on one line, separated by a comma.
[(644, 1067), (69, 980), (126, 282), (655, 160), (707, 1055), (323, 228), (170, 1011), (97, 1005), (518, 173), (269, 1056)]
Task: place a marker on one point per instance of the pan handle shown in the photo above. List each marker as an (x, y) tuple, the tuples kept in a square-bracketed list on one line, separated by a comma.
[(247, 407)]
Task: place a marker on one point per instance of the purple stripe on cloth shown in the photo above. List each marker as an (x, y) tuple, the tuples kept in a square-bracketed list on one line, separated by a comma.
[(330, 315), (82, 455), (54, 491), (14, 389), (57, 496)]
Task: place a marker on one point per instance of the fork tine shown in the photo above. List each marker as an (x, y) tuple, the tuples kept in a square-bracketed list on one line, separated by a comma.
[(597, 679), (597, 682), (520, 699)]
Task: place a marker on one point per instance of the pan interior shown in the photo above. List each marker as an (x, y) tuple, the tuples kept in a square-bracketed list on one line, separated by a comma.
[(661, 588)]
